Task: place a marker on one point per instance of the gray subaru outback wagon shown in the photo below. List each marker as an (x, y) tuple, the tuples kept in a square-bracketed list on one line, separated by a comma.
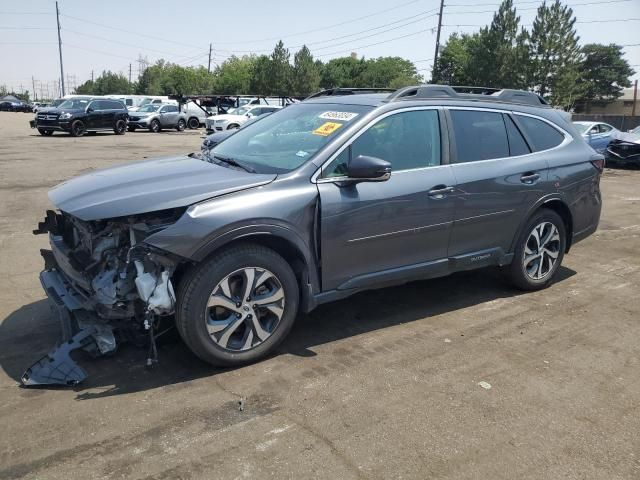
[(323, 199)]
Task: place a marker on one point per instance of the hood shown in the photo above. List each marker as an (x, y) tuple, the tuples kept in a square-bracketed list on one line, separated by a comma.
[(228, 117), (628, 137), (149, 186), (58, 111)]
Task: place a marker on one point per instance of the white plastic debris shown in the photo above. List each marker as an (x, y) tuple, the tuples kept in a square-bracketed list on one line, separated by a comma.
[(485, 385), (447, 340)]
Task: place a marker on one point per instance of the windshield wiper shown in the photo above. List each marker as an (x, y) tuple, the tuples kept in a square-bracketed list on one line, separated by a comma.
[(235, 163)]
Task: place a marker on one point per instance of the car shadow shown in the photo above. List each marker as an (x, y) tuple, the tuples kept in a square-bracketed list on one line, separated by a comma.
[(28, 333)]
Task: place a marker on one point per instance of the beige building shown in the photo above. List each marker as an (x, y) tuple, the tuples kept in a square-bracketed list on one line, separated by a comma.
[(622, 106)]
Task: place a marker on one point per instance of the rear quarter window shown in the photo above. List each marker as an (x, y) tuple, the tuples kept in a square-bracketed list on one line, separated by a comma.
[(542, 135)]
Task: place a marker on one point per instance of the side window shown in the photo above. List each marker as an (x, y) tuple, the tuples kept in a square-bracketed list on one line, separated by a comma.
[(543, 135), (99, 105), (479, 135), (595, 129), (517, 143), (129, 102), (605, 128), (407, 140)]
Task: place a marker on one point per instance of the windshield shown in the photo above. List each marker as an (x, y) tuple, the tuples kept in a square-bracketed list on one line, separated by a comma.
[(149, 108), (289, 137), (75, 103), (240, 111), (581, 127)]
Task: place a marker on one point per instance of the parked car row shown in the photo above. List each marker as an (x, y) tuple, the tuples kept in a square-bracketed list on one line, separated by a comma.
[(619, 148)]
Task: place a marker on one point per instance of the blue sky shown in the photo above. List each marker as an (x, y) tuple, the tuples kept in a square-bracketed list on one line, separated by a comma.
[(181, 31)]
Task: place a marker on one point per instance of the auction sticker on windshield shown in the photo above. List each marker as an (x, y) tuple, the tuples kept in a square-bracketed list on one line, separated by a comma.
[(344, 116), (327, 129)]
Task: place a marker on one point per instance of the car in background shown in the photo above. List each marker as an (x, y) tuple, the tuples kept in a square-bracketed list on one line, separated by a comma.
[(156, 117), (625, 149), (215, 138), (80, 115), (597, 134), (236, 117)]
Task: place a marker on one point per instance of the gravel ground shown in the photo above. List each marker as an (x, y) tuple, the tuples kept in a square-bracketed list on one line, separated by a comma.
[(385, 384)]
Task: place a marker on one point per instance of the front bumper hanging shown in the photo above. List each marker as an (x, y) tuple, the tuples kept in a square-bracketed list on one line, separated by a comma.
[(80, 329)]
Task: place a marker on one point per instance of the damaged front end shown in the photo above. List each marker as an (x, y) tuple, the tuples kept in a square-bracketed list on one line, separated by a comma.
[(625, 151), (107, 286)]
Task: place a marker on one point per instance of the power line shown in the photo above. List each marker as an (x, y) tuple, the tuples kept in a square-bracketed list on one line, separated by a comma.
[(324, 27), (378, 43), (27, 28)]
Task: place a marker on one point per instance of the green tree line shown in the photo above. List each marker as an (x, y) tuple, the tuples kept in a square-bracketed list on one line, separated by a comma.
[(547, 59), (275, 74)]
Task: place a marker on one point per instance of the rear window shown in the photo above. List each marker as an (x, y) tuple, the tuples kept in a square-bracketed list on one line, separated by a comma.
[(479, 135), (541, 134)]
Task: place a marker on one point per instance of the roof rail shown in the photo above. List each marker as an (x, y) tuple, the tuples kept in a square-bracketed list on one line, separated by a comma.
[(349, 91), (486, 94)]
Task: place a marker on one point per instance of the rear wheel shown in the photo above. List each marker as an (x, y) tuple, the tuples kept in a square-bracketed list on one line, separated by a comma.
[(233, 126), (238, 306), (77, 128), (120, 127), (154, 126), (539, 252), (45, 132), (193, 123), (181, 125)]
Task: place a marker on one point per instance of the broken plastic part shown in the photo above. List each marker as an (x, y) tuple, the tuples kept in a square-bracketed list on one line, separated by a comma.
[(163, 297), (57, 367)]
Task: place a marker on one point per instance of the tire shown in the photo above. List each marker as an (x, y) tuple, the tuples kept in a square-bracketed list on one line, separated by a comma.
[(77, 128), (131, 128), (154, 126), (120, 128), (533, 267), (235, 339), (45, 132), (233, 126), (193, 123), (181, 125)]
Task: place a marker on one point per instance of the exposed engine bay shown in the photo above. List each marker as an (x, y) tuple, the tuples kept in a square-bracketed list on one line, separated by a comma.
[(625, 150), (108, 285)]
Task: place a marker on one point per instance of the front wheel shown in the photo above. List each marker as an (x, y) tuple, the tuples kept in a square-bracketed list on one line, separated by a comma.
[(539, 252), (154, 126), (238, 306), (120, 127), (77, 128)]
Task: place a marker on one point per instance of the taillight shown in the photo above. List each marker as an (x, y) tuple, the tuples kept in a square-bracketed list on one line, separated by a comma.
[(598, 164)]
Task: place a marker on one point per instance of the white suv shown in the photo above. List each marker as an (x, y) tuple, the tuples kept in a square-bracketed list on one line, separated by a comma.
[(237, 117)]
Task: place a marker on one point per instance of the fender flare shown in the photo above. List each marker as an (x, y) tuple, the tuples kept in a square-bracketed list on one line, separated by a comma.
[(276, 231), (557, 196)]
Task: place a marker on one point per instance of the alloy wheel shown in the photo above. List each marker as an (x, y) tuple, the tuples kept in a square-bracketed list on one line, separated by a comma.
[(244, 308), (541, 251)]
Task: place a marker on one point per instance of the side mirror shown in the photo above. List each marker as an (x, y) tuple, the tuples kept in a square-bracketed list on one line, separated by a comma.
[(89, 109), (369, 169), (249, 115)]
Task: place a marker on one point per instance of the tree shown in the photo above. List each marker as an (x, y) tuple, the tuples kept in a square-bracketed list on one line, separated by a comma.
[(279, 71), (87, 88), (342, 72), (260, 82), (233, 76), (454, 59), (305, 76), (383, 71), (555, 54), (109, 82), (603, 75)]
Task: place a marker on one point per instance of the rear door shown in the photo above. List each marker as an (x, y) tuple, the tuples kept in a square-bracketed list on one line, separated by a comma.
[(498, 179), (372, 232)]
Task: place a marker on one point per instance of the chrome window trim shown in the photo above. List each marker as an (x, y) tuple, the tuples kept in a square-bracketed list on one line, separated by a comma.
[(567, 136), (318, 172)]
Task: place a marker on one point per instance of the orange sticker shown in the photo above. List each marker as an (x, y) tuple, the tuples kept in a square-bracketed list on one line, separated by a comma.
[(327, 129)]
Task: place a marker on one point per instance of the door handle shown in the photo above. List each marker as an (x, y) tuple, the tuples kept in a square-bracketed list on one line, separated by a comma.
[(530, 178), (439, 191)]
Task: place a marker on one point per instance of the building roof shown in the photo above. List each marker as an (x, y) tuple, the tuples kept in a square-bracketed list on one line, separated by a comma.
[(9, 98)]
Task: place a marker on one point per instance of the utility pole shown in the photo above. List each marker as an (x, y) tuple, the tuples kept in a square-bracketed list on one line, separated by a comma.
[(435, 73), (635, 98), (129, 72), (33, 84), (60, 49), (209, 67), (91, 76)]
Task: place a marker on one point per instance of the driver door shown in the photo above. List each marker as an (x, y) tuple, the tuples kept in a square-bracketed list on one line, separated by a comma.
[(393, 230)]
